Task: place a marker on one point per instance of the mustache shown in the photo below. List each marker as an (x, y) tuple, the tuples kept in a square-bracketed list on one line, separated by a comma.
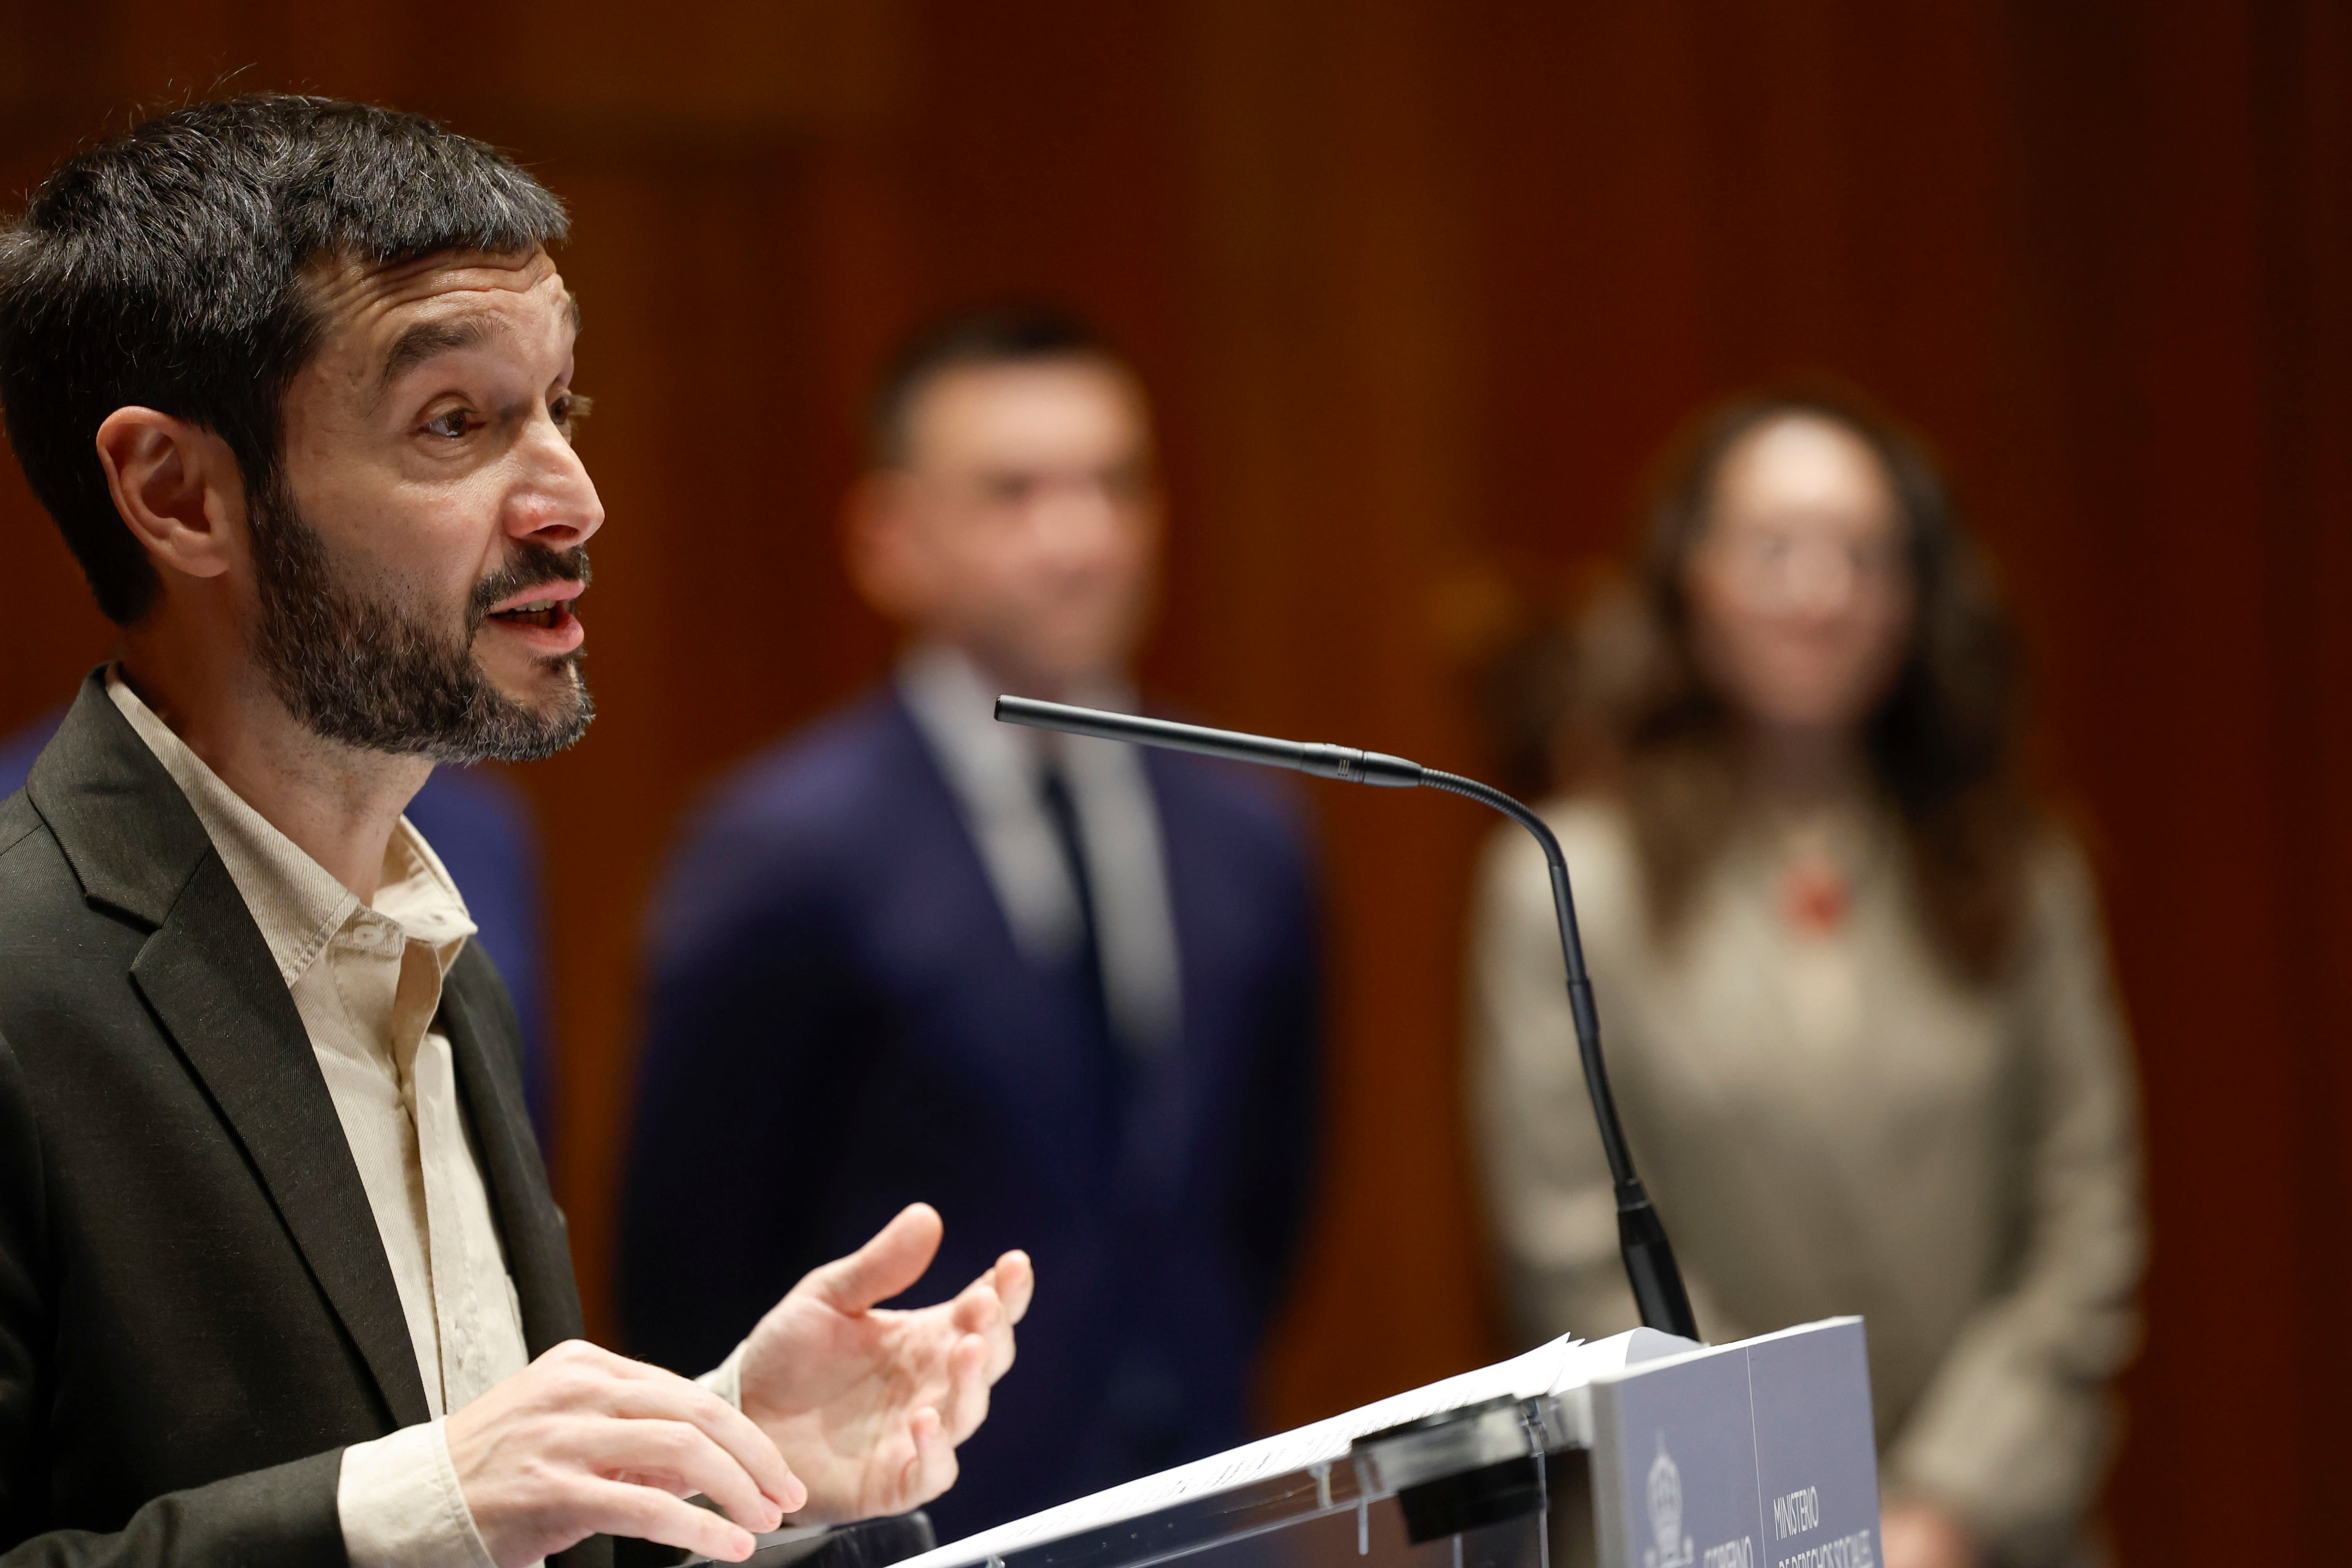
[(533, 567)]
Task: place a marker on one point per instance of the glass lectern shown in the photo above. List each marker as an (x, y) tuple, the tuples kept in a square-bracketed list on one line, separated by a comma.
[(1639, 1451)]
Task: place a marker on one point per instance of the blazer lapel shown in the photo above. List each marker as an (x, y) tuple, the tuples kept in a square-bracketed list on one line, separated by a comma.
[(206, 971), (209, 977), (538, 1254)]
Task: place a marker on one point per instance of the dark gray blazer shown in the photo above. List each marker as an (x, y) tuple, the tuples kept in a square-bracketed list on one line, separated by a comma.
[(197, 1316)]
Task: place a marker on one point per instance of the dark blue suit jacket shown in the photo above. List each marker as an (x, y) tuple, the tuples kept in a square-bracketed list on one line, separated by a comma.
[(842, 1023), (480, 825)]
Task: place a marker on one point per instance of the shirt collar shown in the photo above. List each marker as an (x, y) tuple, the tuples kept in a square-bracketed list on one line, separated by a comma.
[(955, 708), (418, 895), (297, 902)]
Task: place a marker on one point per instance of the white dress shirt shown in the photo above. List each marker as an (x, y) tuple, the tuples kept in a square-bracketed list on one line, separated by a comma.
[(367, 983), (996, 772)]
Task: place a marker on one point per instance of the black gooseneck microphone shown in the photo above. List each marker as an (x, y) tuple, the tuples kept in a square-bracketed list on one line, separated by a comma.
[(1641, 1234)]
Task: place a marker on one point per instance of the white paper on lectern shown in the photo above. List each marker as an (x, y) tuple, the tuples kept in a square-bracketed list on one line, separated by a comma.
[(1553, 1368)]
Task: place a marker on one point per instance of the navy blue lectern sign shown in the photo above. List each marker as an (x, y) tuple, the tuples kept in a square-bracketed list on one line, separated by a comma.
[(1757, 1455)]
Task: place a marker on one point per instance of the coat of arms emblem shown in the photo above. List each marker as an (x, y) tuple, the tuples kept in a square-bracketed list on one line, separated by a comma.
[(1673, 1548)]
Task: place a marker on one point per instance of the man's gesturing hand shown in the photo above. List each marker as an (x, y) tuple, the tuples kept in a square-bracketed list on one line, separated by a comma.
[(868, 1405), (583, 1441)]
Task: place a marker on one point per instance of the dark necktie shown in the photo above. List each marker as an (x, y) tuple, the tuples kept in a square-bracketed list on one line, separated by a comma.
[(1063, 813), (1146, 1400)]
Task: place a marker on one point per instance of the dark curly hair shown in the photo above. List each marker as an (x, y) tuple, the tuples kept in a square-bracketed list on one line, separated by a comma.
[(1944, 742), (165, 268)]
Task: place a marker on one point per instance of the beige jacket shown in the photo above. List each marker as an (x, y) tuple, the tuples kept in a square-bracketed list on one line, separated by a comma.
[(1831, 1124)]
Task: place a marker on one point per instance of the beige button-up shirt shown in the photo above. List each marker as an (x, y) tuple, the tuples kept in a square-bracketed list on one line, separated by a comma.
[(367, 982)]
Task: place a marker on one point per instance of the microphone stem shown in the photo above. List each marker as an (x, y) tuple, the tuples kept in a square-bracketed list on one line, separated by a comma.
[(1641, 1236), (1650, 1266)]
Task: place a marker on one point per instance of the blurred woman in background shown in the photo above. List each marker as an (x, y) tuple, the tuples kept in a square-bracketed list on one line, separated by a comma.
[(1852, 984)]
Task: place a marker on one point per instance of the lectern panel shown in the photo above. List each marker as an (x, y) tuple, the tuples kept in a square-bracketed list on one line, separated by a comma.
[(1732, 1456), (1817, 1465), (1675, 1465), (1757, 1454)]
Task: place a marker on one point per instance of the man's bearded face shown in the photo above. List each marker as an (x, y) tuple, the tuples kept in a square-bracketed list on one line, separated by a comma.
[(372, 665)]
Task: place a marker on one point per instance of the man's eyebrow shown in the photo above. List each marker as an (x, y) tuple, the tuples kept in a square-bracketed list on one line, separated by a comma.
[(428, 339)]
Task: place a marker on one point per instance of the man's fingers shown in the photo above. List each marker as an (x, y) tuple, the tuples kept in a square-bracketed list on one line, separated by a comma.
[(665, 1396), (606, 1444), (984, 1309), (966, 1405), (1017, 1281), (932, 1467), (1009, 1283), (977, 1308), (884, 1265), (653, 1447), (616, 1507)]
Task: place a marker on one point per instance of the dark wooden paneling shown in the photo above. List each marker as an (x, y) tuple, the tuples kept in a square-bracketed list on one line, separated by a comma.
[(1418, 286)]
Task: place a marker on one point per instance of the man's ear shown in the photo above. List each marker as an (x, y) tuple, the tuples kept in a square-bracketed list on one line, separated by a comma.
[(878, 547), (177, 488)]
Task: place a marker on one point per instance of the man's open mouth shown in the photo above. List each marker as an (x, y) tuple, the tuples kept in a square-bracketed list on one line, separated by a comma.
[(547, 614)]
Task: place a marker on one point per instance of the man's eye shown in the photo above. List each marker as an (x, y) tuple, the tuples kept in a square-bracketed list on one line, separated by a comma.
[(567, 411), (455, 425)]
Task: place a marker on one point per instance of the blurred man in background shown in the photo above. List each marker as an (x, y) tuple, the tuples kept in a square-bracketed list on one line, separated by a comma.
[(1069, 986)]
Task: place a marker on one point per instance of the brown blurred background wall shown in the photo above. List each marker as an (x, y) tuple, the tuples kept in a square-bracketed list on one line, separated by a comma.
[(1420, 282)]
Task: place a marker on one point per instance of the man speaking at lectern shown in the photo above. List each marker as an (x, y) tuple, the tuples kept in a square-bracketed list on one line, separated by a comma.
[(280, 1280)]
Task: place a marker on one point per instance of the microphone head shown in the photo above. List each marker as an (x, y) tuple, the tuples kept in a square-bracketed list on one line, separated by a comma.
[(1136, 730), (1343, 762)]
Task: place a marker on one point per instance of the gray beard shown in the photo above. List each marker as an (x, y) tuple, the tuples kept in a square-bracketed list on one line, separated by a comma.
[(374, 672)]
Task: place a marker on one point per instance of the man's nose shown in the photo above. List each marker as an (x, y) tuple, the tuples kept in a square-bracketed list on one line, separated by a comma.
[(554, 501), (1074, 516)]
